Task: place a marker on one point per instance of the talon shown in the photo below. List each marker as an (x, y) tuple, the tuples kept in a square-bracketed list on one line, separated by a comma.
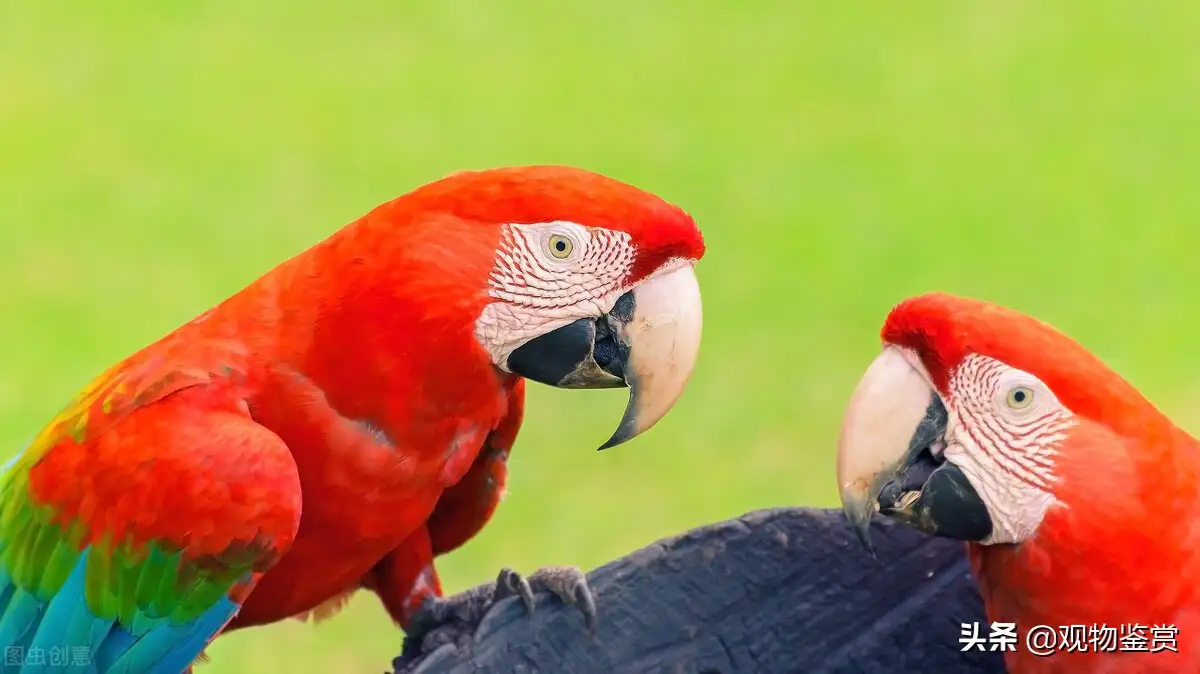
[(587, 604), (510, 582), (452, 621), (570, 585)]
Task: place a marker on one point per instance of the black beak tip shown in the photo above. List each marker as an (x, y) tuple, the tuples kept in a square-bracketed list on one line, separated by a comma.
[(865, 539), (628, 427), (861, 524), (619, 437)]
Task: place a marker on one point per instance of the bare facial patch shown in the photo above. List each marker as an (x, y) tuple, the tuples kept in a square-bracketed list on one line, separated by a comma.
[(548, 275), (1004, 431)]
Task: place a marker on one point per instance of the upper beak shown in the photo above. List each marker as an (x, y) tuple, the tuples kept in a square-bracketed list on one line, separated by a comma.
[(889, 456), (649, 342)]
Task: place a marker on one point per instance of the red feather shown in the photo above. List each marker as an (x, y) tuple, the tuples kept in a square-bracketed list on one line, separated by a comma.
[(384, 394), (1120, 549)]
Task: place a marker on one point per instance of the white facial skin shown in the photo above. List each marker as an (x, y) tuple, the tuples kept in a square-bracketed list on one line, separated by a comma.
[(1003, 432), (548, 275)]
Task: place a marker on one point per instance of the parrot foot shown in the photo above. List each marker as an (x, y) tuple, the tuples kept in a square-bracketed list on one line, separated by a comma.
[(565, 582), (452, 621)]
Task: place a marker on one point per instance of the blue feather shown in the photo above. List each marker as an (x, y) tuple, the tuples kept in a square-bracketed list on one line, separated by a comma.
[(21, 615), (66, 623), (64, 626)]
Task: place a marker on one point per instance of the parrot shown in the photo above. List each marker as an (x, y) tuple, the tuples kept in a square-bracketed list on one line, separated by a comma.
[(1074, 493), (343, 420)]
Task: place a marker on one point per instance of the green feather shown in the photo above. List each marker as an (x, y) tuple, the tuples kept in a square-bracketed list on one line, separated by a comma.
[(140, 584), (61, 561), (157, 574)]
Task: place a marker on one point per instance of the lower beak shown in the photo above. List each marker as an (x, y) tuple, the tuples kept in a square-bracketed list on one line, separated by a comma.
[(889, 456), (649, 342)]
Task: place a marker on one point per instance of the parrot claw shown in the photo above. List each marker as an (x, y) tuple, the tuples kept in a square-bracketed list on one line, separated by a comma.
[(570, 585), (567, 583), (452, 621), (510, 583)]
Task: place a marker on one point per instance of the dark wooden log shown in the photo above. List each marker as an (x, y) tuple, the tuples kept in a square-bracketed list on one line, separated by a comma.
[(778, 591)]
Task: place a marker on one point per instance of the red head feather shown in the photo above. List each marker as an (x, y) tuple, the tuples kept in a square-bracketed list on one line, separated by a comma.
[(1113, 551), (532, 194), (943, 329), (406, 283)]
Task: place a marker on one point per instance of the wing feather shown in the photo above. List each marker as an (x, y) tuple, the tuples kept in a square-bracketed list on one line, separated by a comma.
[(136, 523)]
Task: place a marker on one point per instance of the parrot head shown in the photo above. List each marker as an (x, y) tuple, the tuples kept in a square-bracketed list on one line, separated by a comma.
[(1075, 495), (568, 278), (983, 424)]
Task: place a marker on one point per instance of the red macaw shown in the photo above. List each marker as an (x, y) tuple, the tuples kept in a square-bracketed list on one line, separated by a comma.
[(1076, 494), (344, 419)]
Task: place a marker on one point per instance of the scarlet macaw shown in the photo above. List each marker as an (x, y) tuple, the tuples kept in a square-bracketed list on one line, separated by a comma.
[(344, 419), (1076, 495)]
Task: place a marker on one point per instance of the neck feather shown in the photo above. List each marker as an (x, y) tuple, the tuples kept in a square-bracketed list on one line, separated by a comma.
[(1121, 546), (381, 316)]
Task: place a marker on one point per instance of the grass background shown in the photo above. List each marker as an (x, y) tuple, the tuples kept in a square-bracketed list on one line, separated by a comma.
[(839, 157)]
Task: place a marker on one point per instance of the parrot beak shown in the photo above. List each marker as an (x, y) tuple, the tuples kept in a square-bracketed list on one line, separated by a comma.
[(890, 456), (649, 342)]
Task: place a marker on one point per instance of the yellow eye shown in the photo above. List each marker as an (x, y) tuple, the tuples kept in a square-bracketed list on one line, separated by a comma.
[(561, 246), (1020, 397)]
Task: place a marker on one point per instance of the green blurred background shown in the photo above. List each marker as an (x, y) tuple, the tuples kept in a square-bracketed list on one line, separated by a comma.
[(839, 157)]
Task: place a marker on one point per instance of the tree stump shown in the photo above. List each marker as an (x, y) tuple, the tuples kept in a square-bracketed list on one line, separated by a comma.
[(780, 591)]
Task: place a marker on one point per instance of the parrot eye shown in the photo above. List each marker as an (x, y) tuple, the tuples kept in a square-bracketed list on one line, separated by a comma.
[(1020, 397), (561, 246)]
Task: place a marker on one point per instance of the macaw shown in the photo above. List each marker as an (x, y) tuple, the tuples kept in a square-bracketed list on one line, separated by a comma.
[(343, 420), (1075, 494)]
